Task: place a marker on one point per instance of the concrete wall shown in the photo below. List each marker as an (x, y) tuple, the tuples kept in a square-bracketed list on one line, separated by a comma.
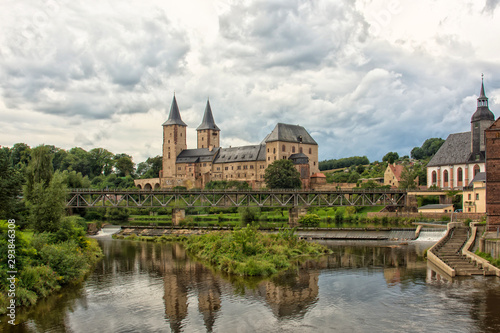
[(492, 246)]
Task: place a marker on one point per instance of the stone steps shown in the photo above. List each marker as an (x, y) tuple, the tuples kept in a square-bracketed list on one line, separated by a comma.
[(450, 254)]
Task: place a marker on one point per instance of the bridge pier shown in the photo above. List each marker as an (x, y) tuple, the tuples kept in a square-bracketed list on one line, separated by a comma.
[(294, 214), (411, 204), (178, 214)]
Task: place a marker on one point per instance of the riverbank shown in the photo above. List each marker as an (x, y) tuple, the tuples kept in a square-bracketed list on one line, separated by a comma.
[(45, 262)]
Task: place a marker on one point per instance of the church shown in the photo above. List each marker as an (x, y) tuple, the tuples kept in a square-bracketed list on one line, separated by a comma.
[(194, 168), (462, 155)]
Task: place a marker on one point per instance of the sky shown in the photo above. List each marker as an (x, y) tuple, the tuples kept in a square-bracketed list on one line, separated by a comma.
[(364, 77)]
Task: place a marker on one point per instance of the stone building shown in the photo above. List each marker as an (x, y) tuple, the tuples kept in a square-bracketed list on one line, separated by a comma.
[(194, 168), (474, 195), (462, 155)]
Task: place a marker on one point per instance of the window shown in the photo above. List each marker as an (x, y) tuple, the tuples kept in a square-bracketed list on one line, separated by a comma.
[(204, 164), (274, 150), (275, 158), (268, 158), (300, 150), (293, 149), (310, 151), (434, 175), (470, 196), (239, 168), (226, 168), (445, 176), (283, 148), (251, 166), (168, 155), (268, 150), (476, 169), (202, 138), (459, 175), (477, 196)]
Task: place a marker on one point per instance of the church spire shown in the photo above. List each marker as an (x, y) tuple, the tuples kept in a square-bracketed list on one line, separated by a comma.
[(174, 118), (208, 122), (483, 112)]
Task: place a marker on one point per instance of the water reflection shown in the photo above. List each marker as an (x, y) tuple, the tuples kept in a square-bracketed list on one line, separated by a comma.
[(363, 287)]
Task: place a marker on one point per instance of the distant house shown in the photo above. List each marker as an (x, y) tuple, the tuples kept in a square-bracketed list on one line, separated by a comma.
[(436, 208), (462, 155), (474, 198), (392, 175)]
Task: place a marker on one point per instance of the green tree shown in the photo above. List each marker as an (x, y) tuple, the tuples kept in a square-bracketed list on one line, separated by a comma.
[(390, 157), (46, 204), (39, 170), (20, 155), (408, 178), (428, 149), (124, 165), (100, 162), (11, 181), (282, 174)]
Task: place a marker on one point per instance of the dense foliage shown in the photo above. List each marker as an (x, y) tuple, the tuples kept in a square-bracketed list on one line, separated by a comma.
[(282, 174), (428, 149), (343, 162), (248, 252), (46, 261)]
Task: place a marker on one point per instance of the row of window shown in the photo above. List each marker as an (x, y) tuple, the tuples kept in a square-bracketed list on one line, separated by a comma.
[(283, 149), (459, 175)]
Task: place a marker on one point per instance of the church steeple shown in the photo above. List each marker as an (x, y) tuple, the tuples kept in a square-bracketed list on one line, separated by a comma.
[(481, 120), (208, 132), (174, 118), (208, 120)]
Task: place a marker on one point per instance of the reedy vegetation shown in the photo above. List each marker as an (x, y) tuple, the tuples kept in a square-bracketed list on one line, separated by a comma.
[(248, 252)]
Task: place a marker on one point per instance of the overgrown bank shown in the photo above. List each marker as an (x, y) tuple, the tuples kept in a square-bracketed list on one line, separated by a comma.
[(246, 251), (46, 261)]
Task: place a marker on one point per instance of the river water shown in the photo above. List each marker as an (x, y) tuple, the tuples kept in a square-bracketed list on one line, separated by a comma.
[(361, 287)]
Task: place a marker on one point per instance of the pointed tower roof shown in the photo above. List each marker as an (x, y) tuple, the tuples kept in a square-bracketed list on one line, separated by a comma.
[(174, 118), (482, 112), (208, 120)]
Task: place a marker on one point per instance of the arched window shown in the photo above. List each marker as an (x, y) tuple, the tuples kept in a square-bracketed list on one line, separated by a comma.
[(445, 178), (477, 169), (460, 177), (300, 149), (293, 149), (434, 177)]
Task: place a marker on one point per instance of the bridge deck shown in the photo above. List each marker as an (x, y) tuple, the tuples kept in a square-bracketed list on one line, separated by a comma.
[(82, 198)]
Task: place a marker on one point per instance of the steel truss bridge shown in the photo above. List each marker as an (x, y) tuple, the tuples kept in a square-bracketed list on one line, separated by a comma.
[(86, 198)]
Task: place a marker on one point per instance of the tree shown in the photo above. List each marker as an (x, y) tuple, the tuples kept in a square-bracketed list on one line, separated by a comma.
[(44, 191), (100, 162), (428, 149), (11, 181), (408, 178), (20, 155), (390, 157), (282, 174), (39, 170), (46, 205), (124, 165), (151, 168)]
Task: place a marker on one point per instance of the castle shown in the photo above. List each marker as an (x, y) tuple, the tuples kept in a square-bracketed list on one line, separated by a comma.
[(194, 168), (462, 155)]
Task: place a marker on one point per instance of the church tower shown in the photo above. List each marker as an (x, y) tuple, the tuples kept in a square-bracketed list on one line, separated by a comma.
[(174, 140), (480, 121), (208, 132)]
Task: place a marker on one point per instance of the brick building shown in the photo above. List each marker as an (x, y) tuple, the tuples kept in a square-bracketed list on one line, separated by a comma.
[(492, 141), (462, 155), (194, 168)]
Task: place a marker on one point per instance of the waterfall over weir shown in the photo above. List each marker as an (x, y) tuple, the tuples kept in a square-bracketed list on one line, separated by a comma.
[(431, 235)]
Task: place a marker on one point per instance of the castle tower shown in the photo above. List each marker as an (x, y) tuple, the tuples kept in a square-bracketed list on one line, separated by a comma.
[(174, 140), (480, 121), (208, 132)]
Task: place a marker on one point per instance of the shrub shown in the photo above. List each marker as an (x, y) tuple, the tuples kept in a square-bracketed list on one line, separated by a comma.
[(310, 220)]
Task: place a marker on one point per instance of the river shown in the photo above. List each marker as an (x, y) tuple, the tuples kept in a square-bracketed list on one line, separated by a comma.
[(361, 287)]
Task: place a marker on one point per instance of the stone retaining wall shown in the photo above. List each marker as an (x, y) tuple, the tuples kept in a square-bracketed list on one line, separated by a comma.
[(492, 246), (433, 216)]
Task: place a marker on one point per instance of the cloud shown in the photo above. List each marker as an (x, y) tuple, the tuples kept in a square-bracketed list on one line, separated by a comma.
[(363, 77)]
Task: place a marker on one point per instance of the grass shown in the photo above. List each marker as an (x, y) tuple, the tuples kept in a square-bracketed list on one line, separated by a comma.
[(248, 252), (487, 256)]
